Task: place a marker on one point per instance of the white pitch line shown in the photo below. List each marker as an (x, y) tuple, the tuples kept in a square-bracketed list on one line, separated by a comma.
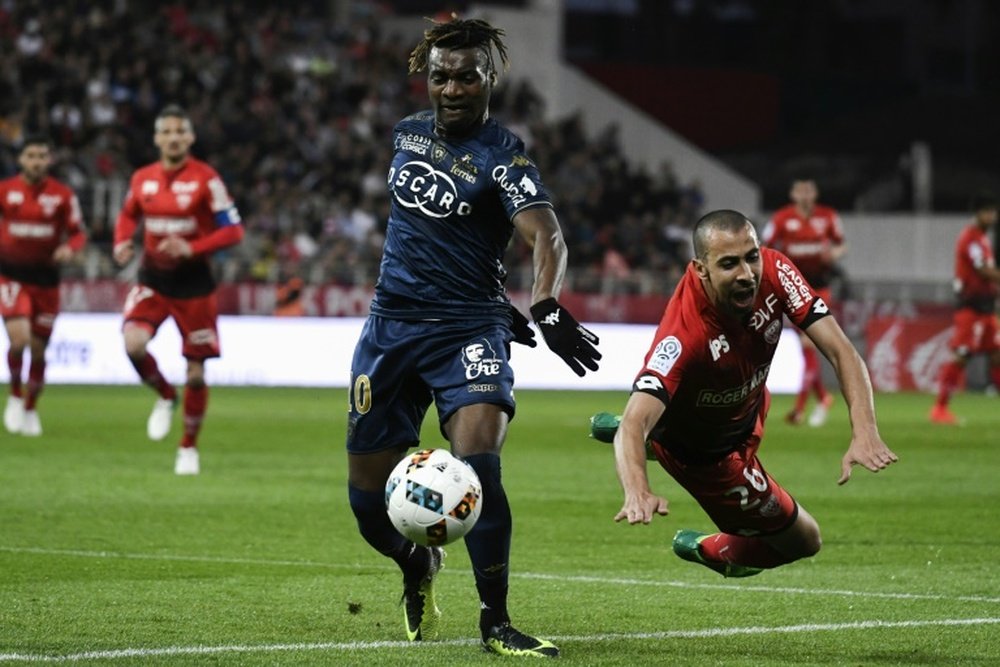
[(520, 575), (706, 633)]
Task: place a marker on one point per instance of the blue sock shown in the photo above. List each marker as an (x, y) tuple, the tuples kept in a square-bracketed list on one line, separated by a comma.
[(378, 531), (489, 542)]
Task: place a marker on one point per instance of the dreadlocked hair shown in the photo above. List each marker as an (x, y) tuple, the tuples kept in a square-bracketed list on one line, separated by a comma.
[(460, 34)]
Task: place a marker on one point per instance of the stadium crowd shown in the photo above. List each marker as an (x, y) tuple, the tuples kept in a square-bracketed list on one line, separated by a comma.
[(294, 110)]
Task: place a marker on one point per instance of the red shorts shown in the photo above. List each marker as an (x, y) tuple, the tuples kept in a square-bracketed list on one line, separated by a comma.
[(196, 318), (736, 492), (975, 333), (39, 304)]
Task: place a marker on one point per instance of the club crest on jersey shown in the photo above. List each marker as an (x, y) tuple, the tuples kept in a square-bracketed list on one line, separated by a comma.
[(480, 359), (418, 185), (49, 204), (665, 354), (438, 153), (773, 332)]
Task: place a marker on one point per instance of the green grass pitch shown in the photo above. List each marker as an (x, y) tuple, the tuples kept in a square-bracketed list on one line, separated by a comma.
[(106, 557)]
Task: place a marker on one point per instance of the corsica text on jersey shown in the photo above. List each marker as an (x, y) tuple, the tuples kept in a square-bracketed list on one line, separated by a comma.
[(418, 185)]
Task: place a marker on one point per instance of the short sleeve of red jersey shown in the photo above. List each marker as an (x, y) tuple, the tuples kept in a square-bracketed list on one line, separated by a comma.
[(798, 298)]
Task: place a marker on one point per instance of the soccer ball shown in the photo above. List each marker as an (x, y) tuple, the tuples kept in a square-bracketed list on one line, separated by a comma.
[(432, 497)]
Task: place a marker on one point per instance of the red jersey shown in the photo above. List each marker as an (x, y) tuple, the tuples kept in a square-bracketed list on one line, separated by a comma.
[(710, 370), (34, 221), (806, 242), (191, 202), (974, 251)]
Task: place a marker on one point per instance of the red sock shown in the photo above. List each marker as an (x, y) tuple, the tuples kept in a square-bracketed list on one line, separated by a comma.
[(36, 380), (810, 371), (150, 374), (195, 403), (739, 550), (949, 378), (14, 362)]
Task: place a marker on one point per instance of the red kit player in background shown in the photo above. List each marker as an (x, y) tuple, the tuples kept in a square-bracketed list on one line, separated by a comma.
[(812, 237), (976, 330), (187, 214), (40, 228)]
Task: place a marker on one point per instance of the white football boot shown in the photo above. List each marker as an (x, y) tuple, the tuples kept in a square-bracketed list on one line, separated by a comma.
[(187, 461), (31, 426), (13, 414), (158, 425)]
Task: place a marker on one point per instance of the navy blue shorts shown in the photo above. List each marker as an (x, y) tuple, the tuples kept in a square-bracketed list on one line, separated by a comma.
[(400, 366)]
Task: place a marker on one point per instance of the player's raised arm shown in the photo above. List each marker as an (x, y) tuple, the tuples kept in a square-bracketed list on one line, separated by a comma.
[(641, 413), (867, 447), (573, 342)]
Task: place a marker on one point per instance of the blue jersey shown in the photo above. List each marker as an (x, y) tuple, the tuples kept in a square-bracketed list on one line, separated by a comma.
[(450, 221)]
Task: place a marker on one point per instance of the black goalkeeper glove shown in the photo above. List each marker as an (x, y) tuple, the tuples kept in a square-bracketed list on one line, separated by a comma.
[(523, 333), (565, 336)]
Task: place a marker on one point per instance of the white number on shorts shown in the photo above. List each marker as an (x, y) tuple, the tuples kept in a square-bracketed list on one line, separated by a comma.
[(757, 481)]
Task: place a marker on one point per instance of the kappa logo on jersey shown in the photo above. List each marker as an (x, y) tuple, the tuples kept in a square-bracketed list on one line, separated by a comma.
[(762, 315), (718, 347), (15, 198), (521, 161), (150, 188), (665, 354), (480, 359), (418, 185)]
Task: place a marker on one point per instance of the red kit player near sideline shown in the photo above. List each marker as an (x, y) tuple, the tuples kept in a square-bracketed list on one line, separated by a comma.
[(701, 401), (813, 238), (40, 228), (187, 214), (975, 320)]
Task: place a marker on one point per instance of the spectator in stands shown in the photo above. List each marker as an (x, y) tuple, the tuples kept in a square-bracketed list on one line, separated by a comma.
[(976, 328), (812, 236), (41, 228), (317, 95), (186, 214)]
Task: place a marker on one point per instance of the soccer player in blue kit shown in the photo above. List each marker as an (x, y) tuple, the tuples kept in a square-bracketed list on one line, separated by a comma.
[(441, 324)]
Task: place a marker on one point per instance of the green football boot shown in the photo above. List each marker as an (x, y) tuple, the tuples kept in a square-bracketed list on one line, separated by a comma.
[(505, 639), (687, 545), (420, 611)]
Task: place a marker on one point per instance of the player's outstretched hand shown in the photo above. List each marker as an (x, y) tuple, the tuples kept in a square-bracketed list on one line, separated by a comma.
[(523, 333), (868, 451), (642, 508), (573, 342)]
